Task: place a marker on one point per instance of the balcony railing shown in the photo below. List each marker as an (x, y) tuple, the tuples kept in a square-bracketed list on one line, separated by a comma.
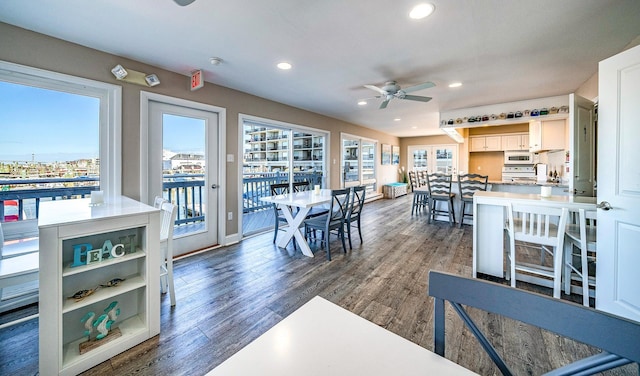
[(27, 193), (257, 185), (184, 190)]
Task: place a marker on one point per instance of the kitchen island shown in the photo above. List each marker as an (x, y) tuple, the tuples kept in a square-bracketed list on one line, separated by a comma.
[(489, 218), (532, 188)]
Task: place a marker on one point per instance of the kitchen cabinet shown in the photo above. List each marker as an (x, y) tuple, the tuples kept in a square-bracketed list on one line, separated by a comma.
[(84, 247), (516, 141), (547, 135), (485, 143)]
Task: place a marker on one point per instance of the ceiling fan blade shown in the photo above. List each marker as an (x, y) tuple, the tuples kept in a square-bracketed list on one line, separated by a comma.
[(183, 3), (384, 104), (375, 88), (425, 85), (416, 98)]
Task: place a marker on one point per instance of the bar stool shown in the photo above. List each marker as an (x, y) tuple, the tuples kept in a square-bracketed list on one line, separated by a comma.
[(420, 194), (583, 236), (534, 226), (469, 184), (440, 191)]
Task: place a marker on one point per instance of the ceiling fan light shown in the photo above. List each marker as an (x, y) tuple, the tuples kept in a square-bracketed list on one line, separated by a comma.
[(421, 11)]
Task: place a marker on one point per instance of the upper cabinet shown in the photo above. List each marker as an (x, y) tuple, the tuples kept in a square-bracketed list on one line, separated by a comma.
[(486, 143), (516, 141), (547, 135)]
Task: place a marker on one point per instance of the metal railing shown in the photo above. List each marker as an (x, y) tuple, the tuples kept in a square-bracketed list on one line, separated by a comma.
[(185, 190), (257, 185), (27, 193)]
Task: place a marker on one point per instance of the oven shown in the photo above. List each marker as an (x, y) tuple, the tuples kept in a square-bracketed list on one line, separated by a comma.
[(519, 174), (518, 158)]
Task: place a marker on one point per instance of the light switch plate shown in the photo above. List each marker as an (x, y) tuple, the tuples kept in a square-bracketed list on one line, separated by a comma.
[(229, 157)]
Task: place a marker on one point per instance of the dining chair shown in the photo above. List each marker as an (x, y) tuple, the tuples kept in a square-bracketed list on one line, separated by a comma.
[(157, 201), (334, 220), (278, 189), (469, 184), (440, 191), (168, 217), (536, 227), (583, 236), (353, 217), (303, 186), (420, 194)]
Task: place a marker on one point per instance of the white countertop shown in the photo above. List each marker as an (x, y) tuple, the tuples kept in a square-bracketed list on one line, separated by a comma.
[(53, 213), (533, 183), (321, 338), (571, 202)]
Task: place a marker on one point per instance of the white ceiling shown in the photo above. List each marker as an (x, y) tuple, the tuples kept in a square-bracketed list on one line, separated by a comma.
[(501, 50)]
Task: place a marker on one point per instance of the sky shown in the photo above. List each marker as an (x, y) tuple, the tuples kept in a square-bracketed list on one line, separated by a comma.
[(57, 126)]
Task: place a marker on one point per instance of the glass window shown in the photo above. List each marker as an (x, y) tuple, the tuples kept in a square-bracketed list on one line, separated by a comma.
[(274, 152), (358, 162), (434, 158), (57, 139)]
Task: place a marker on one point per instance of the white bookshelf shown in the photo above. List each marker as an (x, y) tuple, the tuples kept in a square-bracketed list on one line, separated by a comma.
[(65, 224)]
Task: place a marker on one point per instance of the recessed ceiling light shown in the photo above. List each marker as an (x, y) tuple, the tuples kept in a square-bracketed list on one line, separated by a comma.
[(362, 103), (284, 65), (414, 127), (455, 84), (397, 119), (421, 11)]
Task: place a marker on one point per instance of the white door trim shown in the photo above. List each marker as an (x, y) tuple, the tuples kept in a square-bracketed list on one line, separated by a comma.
[(145, 98)]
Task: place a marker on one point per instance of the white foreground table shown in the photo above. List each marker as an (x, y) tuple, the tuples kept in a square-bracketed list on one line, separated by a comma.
[(321, 338), (302, 202)]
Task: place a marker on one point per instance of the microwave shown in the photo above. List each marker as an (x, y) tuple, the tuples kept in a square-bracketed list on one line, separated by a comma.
[(518, 158)]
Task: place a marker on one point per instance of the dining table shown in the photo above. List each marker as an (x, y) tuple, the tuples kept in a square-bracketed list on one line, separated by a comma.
[(295, 208), (322, 338)]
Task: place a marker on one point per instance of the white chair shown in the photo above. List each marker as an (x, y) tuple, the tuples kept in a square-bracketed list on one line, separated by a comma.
[(583, 236), (158, 201), (536, 226), (19, 272), (168, 218)]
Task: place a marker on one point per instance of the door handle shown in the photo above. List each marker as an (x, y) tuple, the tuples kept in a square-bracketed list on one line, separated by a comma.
[(213, 186), (604, 205)]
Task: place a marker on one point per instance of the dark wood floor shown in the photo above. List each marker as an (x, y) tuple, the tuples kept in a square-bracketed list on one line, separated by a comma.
[(230, 296)]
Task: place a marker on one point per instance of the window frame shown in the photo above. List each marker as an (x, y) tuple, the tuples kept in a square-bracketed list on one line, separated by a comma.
[(372, 183), (110, 117)]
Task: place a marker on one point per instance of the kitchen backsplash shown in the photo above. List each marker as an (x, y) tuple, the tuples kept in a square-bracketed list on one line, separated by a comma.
[(554, 160)]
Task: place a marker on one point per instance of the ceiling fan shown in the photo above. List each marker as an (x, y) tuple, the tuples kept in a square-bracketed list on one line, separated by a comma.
[(391, 90), (183, 3)]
